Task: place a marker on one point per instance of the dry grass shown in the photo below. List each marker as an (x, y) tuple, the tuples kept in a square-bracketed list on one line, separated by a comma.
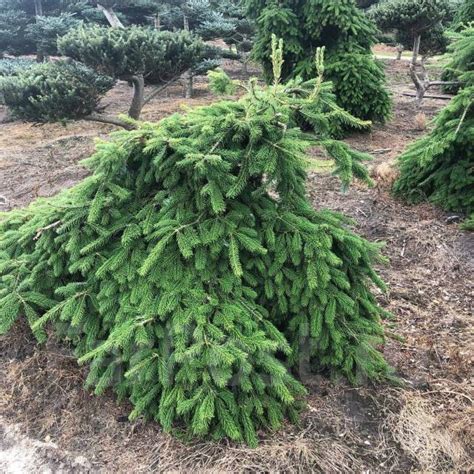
[(295, 456), (384, 174), (419, 121), (424, 436)]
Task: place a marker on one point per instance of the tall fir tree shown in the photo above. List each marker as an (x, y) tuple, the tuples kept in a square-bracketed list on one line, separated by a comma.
[(440, 166), (346, 33), (192, 273)]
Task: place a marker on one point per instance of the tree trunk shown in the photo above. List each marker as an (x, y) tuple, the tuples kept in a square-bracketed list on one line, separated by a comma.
[(138, 92), (111, 16), (38, 8), (399, 52), (39, 12), (188, 77), (188, 91), (416, 49), (158, 22), (421, 83)]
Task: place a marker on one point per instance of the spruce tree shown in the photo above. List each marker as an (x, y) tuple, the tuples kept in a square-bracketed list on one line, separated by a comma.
[(346, 33), (191, 271), (440, 166)]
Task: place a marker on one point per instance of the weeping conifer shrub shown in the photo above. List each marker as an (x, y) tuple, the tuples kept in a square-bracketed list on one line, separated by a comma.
[(440, 166), (191, 271)]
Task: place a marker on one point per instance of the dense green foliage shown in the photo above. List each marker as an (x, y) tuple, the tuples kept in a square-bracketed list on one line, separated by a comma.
[(464, 15), (12, 66), (46, 30), (411, 18), (191, 271), (440, 166), (52, 92), (13, 24), (346, 33), (124, 52)]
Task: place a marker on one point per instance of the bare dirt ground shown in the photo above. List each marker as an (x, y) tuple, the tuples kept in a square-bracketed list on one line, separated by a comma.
[(48, 423)]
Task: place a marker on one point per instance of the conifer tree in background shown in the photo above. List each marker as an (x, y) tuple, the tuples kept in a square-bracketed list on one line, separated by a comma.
[(28, 27), (54, 91), (420, 26), (347, 34), (191, 271), (130, 54), (46, 30), (440, 166), (133, 54), (231, 24), (13, 23)]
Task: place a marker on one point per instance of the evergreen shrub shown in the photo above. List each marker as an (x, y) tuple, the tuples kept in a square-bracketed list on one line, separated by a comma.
[(440, 166), (193, 274), (12, 66), (124, 52), (46, 30), (13, 25), (54, 91)]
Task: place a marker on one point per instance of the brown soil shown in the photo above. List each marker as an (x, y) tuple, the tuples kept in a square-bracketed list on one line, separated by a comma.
[(424, 425)]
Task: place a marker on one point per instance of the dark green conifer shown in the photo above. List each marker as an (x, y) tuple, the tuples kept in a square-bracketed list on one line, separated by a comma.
[(346, 33), (191, 271), (440, 166)]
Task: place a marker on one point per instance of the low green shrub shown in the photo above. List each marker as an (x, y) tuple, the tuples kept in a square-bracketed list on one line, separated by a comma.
[(54, 91), (193, 274)]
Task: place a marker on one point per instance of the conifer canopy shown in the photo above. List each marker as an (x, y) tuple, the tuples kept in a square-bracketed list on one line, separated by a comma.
[(192, 273), (346, 33), (125, 52), (51, 92)]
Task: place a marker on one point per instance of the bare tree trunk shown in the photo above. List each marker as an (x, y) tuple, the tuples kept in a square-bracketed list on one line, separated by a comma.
[(188, 90), (421, 83), (158, 22), (111, 16), (416, 49), (188, 77), (138, 93), (39, 12), (420, 78), (399, 52), (245, 68), (38, 8)]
